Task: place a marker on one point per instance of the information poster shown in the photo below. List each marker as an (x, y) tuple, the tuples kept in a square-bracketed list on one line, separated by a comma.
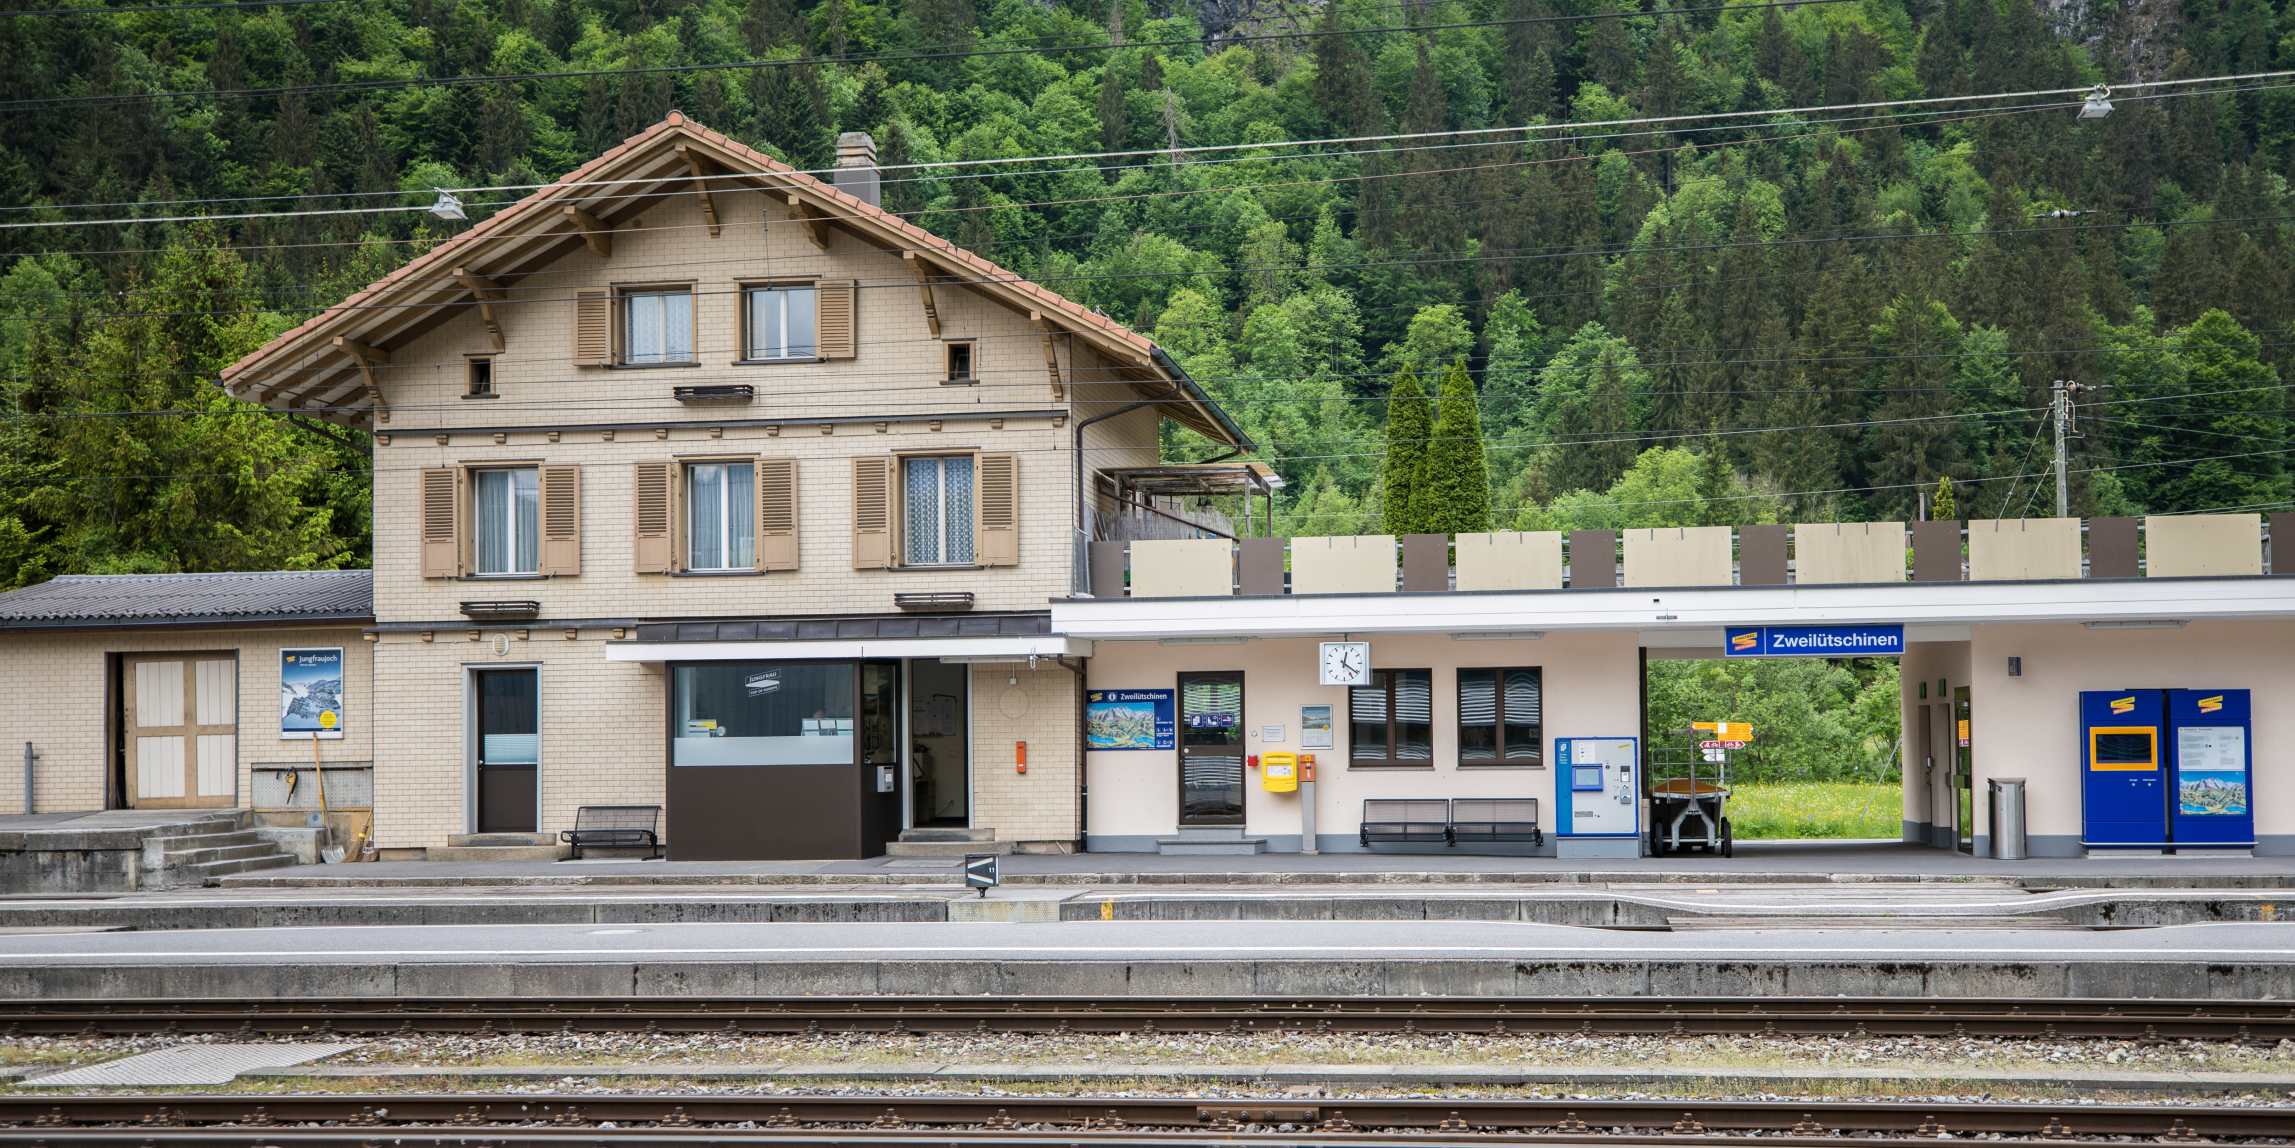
[(2211, 770), (1129, 719), (1314, 727), (311, 694)]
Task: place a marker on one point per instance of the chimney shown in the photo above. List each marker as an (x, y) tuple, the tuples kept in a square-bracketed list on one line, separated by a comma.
[(856, 173)]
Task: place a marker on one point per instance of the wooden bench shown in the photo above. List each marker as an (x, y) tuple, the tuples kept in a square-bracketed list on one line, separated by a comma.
[(628, 826), (1489, 820), (1405, 820)]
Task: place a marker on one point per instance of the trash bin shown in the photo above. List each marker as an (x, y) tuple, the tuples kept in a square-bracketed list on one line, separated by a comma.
[(2008, 818)]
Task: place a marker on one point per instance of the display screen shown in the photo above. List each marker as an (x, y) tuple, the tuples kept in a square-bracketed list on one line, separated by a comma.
[(2122, 749), (1586, 778)]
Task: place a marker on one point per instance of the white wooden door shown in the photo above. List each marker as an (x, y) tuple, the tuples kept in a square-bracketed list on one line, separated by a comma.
[(182, 730)]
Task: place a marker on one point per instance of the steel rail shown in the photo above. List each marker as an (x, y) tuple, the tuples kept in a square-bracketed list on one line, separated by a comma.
[(488, 1117), (2248, 1021)]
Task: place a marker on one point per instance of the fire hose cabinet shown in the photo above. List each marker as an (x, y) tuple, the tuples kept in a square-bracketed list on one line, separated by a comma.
[(1279, 772)]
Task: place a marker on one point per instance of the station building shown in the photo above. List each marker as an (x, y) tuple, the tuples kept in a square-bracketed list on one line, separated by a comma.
[(706, 485)]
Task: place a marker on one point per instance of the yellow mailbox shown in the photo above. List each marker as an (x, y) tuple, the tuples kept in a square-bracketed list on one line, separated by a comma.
[(1279, 771)]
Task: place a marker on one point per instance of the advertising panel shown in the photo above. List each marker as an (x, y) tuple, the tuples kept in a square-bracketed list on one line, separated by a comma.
[(311, 693), (1129, 719)]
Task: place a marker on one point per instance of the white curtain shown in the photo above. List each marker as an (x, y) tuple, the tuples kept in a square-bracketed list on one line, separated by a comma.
[(660, 327), (508, 522), (705, 510)]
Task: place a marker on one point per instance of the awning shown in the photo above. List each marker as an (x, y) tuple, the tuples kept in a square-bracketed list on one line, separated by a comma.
[(837, 649)]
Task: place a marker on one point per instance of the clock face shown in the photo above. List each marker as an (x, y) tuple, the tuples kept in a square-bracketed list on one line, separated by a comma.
[(1346, 663)]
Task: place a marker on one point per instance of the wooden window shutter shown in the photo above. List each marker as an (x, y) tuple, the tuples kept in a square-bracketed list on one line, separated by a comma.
[(999, 509), (776, 513), (561, 495), (835, 327), (593, 328), (653, 534), (873, 477), (442, 522)]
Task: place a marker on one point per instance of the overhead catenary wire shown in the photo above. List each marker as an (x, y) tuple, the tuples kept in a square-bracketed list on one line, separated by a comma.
[(1525, 132)]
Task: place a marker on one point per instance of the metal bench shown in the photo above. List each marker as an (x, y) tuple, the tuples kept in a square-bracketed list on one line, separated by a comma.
[(1490, 820), (1405, 820), (626, 826)]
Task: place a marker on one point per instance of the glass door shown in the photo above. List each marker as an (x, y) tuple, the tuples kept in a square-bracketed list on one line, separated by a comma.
[(1963, 773), (1211, 749), (509, 746), (939, 745)]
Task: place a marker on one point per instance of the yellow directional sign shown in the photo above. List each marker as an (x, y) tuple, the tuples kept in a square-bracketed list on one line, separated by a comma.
[(1725, 730)]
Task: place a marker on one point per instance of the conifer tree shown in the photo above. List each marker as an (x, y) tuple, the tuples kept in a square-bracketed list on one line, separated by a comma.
[(1943, 507), (1453, 496), (1410, 423)]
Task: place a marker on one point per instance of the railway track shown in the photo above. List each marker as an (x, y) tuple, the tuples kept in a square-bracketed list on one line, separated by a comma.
[(688, 1120), (2246, 1021)]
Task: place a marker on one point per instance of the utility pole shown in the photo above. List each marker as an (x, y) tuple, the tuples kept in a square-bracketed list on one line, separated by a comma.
[(2060, 409)]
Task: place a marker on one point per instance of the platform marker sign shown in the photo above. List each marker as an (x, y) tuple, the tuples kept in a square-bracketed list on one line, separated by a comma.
[(1812, 641), (980, 872)]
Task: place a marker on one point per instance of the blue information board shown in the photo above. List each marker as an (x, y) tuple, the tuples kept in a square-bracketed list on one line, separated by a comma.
[(2123, 769), (1129, 719), (2213, 801), (1812, 641)]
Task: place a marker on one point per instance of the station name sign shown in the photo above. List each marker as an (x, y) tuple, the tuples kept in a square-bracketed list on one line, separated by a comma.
[(1812, 641)]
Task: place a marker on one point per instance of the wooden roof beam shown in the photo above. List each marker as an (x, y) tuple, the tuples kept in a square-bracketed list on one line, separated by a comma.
[(924, 273), (700, 187), (1050, 334), (365, 357), (816, 223), (595, 233), (487, 292)]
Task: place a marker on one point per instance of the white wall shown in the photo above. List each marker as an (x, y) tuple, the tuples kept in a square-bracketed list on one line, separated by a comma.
[(1591, 688), (2029, 726)]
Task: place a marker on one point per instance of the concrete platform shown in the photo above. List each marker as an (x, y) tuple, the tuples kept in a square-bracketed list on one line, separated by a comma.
[(1630, 905), (1755, 863), (2225, 962)]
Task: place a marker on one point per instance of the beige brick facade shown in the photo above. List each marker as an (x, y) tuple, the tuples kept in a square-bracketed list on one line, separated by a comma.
[(55, 693), (1037, 391)]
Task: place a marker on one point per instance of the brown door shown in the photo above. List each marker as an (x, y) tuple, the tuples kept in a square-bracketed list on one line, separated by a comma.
[(181, 731), (509, 750)]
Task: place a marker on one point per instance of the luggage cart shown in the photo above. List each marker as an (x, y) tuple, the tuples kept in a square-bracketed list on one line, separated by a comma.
[(1688, 789)]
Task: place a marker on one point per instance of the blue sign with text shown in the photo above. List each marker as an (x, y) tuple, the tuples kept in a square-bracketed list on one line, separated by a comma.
[(1812, 641)]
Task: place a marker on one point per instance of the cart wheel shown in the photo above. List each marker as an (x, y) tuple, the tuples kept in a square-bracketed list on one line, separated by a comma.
[(1657, 842), (1728, 839)]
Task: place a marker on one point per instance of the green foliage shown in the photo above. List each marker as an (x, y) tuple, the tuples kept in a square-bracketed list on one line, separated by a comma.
[(1453, 495), (1814, 719), (1863, 312), (1410, 424), (1805, 810)]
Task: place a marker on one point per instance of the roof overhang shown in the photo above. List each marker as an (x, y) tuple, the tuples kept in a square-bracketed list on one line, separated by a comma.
[(1648, 610), (960, 649)]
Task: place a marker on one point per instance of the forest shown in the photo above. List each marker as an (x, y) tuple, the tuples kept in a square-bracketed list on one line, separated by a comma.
[(1813, 314)]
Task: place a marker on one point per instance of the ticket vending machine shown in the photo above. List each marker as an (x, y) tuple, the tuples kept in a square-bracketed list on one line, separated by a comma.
[(1598, 796), (2165, 769)]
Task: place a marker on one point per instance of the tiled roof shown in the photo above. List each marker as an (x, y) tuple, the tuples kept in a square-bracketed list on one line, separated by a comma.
[(82, 600), (846, 629)]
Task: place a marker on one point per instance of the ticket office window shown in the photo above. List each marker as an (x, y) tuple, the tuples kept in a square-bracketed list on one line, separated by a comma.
[(763, 713)]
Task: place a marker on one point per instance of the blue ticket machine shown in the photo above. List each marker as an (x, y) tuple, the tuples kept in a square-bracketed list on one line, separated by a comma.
[(2214, 764), (2123, 769), (2166, 769)]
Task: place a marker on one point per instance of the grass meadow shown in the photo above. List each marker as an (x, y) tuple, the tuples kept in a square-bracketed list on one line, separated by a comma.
[(1784, 809)]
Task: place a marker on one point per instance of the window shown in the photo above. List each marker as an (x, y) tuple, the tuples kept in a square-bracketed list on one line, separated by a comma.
[(1390, 719), (721, 515), (1501, 717), (507, 521), (657, 327), (936, 511), (763, 713), (481, 378), (960, 363), (781, 322)]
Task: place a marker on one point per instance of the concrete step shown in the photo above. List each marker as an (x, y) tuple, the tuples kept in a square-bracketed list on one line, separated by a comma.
[(1238, 846), (209, 871), (947, 849), (178, 843), (947, 833), (183, 857), (493, 839), (519, 852)]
